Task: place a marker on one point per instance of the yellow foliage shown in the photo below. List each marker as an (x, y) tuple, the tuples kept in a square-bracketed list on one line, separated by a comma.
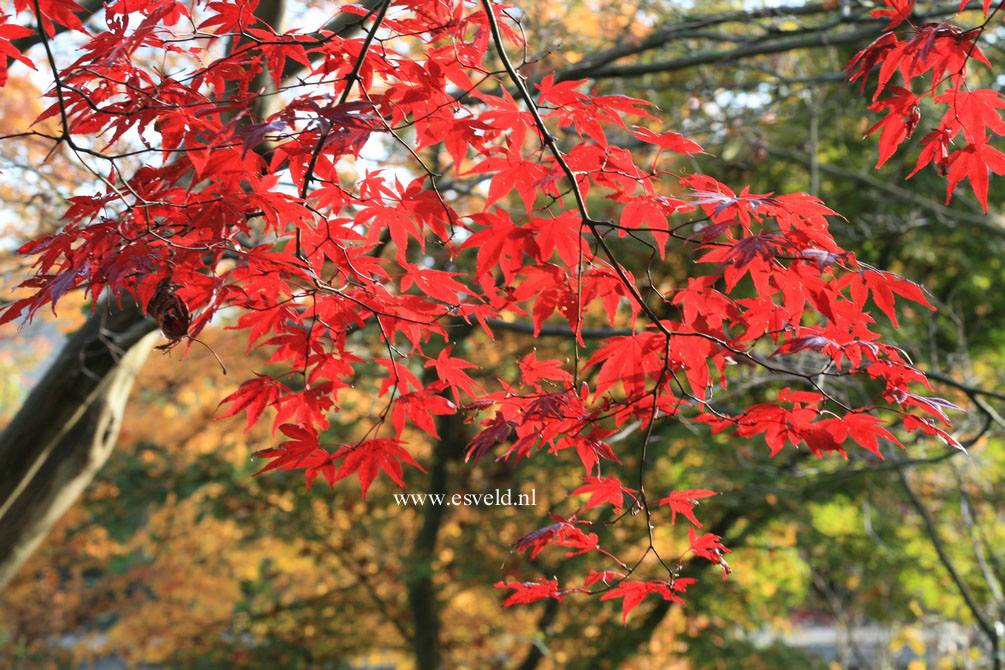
[(910, 637)]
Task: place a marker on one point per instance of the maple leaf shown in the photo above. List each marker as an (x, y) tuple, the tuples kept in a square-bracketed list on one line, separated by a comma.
[(973, 162), (590, 451), (709, 546), (254, 134), (574, 538), (533, 371), (803, 342), (562, 93), (559, 234), (400, 377), (547, 406), (435, 284), (512, 173), (605, 490), (684, 503), (419, 407), (10, 31), (529, 592), (604, 576), (883, 285), (897, 12), (549, 286), (823, 259), (862, 63), (253, 396), (899, 124), (927, 426), (626, 359), (932, 405), (972, 111), (369, 457), (670, 141), (649, 214), (721, 203), (451, 371), (563, 533), (934, 148), (864, 429), (500, 244), (536, 540), (496, 430), (63, 12), (634, 592), (302, 450)]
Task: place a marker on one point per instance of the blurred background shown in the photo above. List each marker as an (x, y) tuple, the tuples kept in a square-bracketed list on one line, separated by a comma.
[(176, 556)]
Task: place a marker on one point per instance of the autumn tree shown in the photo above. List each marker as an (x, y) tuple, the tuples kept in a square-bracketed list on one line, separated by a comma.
[(240, 207)]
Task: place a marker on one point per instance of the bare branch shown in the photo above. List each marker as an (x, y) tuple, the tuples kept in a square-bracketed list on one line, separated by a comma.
[(986, 626)]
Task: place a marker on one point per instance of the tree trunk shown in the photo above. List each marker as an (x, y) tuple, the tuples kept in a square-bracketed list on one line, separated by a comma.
[(67, 427)]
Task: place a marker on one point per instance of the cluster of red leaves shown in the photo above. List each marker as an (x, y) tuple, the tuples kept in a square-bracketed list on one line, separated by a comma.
[(944, 51), (206, 223)]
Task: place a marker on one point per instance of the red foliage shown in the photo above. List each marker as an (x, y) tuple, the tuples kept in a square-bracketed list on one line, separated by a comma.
[(946, 51), (207, 223)]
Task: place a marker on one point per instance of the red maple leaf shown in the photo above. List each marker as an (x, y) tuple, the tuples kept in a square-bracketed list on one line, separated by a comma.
[(534, 371), (684, 503), (529, 592), (626, 359), (634, 592), (63, 12), (605, 490), (8, 32), (419, 407), (972, 111), (369, 457), (450, 370), (604, 576), (536, 540), (897, 12), (496, 430), (670, 141), (974, 162), (899, 124), (709, 546)]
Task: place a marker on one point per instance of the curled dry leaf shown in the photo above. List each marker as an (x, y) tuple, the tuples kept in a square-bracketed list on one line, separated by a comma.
[(170, 312)]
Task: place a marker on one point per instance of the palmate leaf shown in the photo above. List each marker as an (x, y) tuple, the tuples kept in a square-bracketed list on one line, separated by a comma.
[(899, 123), (368, 458), (897, 12), (683, 502), (974, 162), (605, 490), (634, 592)]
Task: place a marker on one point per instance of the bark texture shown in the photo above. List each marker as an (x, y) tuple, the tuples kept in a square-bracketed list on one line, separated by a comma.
[(67, 427)]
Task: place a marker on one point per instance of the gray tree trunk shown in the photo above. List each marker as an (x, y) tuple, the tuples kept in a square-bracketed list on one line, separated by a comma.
[(67, 427)]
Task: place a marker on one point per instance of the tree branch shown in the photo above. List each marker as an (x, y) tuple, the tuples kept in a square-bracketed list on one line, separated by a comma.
[(936, 539), (599, 66)]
